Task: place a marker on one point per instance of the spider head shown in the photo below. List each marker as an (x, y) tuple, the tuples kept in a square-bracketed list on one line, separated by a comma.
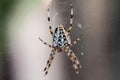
[(60, 28)]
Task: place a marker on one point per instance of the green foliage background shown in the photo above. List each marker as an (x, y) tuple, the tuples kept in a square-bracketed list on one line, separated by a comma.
[(5, 6)]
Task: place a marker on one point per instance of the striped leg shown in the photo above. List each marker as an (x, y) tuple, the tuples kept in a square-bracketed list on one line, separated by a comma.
[(74, 59), (71, 19), (50, 27), (45, 42), (51, 57)]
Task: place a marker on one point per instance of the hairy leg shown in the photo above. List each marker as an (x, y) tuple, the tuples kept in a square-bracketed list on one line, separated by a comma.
[(49, 61), (74, 59), (45, 42), (71, 20), (50, 27)]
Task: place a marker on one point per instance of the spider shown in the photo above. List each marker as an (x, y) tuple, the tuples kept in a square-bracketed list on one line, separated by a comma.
[(62, 43)]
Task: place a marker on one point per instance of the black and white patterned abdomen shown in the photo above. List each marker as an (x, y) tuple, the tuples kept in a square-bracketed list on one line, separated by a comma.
[(59, 39)]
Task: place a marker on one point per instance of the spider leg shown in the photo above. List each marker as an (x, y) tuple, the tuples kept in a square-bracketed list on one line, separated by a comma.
[(45, 42), (74, 59), (71, 20), (49, 61), (50, 28)]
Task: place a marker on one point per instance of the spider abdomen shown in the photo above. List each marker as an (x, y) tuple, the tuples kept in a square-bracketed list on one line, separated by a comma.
[(60, 38)]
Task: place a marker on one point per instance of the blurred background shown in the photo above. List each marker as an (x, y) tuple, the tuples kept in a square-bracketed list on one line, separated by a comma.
[(23, 56)]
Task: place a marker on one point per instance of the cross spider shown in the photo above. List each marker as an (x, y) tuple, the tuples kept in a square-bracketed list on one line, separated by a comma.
[(62, 43)]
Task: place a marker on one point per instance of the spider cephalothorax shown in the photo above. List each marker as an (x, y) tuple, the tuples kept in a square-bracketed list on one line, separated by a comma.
[(62, 43)]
